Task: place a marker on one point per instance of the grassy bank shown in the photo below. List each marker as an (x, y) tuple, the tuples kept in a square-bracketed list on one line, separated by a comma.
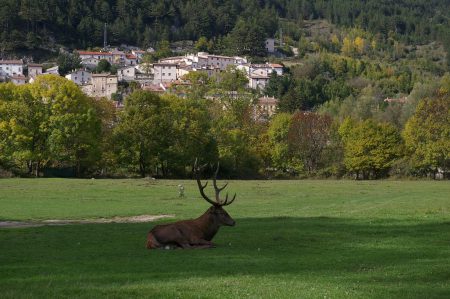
[(293, 239)]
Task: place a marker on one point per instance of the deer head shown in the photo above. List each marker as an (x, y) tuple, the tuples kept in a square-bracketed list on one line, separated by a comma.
[(216, 211)]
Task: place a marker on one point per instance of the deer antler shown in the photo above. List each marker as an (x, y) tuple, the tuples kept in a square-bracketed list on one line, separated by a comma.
[(217, 190), (201, 187)]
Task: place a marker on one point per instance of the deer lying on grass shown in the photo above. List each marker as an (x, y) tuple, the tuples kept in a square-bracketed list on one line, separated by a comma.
[(194, 233)]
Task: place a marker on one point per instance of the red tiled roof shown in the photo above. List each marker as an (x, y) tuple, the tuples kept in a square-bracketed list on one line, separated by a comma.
[(275, 65), (94, 53), (153, 87), (131, 56)]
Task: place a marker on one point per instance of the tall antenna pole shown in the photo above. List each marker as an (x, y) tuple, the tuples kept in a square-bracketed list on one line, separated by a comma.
[(105, 41), (281, 36)]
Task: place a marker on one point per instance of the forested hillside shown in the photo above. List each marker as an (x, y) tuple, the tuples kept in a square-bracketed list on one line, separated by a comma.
[(30, 24)]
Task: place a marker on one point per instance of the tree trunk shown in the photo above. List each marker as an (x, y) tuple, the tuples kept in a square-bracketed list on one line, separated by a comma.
[(30, 167), (37, 168)]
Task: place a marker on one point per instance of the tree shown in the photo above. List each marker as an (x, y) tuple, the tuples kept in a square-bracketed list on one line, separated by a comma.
[(309, 135), (103, 66), (347, 47), (370, 149), (49, 122), (277, 86), (278, 141), (203, 45), (200, 84), (22, 129), (237, 136), (147, 61), (107, 114), (360, 45), (191, 133), (232, 79), (427, 135), (144, 133), (68, 62), (247, 38), (73, 125)]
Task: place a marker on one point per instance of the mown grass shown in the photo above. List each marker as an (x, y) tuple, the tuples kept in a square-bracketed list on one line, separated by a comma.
[(293, 239)]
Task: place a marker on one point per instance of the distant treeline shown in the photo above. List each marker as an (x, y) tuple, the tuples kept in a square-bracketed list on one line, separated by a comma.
[(29, 24)]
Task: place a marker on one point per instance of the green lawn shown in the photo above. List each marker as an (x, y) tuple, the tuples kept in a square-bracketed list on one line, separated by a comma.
[(293, 239)]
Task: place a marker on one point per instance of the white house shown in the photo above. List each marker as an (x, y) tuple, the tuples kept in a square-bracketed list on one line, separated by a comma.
[(183, 70), (198, 60), (98, 55), (53, 70), (130, 59), (18, 79), (102, 85), (127, 73), (118, 57), (259, 74), (143, 78), (90, 63), (244, 68), (80, 77), (258, 79), (165, 72), (266, 67), (221, 62), (10, 68), (34, 70), (240, 60)]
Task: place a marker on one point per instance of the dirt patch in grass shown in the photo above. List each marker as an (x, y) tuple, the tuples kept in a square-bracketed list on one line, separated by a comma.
[(131, 219)]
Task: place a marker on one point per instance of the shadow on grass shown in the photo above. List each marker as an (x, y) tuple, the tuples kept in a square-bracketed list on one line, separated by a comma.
[(406, 257)]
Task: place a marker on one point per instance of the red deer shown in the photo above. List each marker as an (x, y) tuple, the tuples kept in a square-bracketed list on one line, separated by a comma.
[(194, 233)]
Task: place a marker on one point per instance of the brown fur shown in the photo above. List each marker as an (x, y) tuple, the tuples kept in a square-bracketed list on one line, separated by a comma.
[(195, 233)]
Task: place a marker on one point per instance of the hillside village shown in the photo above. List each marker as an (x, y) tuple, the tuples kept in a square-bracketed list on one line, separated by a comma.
[(159, 77)]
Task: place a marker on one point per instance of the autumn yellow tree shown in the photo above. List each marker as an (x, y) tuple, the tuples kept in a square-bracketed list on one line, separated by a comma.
[(347, 47), (427, 135), (359, 44)]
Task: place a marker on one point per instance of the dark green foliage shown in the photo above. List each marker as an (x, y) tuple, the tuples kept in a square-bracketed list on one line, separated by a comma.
[(103, 66), (68, 62), (30, 24), (247, 39)]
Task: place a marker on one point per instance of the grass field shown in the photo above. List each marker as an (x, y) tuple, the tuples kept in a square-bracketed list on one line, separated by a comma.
[(293, 239)]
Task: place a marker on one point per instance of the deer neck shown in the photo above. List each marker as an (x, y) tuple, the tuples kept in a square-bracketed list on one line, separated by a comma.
[(208, 225)]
